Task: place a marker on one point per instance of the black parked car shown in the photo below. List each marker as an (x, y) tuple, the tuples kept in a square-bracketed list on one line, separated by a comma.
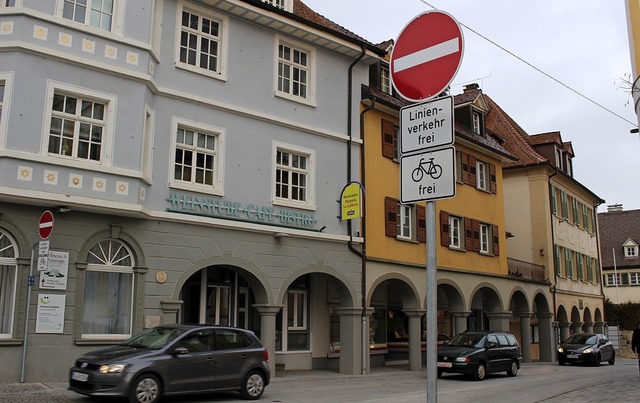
[(173, 360), (587, 348), (478, 353)]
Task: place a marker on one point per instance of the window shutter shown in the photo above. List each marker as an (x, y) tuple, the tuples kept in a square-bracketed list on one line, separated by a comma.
[(472, 171), (476, 235), (421, 212), (445, 237), (468, 233), (465, 168), (390, 217), (492, 172), (387, 139), (374, 75), (496, 241)]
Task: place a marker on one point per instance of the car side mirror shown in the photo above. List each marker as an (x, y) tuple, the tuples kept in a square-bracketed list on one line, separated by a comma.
[(180, 350)]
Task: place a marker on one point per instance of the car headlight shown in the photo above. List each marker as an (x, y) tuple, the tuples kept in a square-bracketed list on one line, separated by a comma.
[(588, 351), (462, 359), (561, 349), (112, 368)]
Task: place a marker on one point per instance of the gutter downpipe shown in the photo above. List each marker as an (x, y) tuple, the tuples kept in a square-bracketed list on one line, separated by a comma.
[(365, 341), (555, 272)]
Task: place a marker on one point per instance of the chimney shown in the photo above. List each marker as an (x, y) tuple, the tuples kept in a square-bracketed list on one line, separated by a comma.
[(614, 208), (471, 87)]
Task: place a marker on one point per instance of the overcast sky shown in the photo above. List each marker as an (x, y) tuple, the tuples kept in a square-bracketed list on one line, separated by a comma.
[(582, 44)]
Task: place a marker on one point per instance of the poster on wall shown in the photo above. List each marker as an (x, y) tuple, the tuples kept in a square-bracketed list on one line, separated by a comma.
[(50, 315), (55, 276)]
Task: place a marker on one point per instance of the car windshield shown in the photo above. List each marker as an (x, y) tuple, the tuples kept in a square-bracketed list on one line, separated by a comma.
[(154, 338), (467, 340), (582, 339)]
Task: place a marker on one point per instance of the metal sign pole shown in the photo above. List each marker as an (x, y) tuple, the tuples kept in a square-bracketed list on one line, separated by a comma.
[(432, 302)]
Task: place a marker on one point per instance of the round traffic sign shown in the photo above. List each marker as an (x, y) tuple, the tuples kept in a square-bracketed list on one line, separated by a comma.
[(45, 225), (426, 56)]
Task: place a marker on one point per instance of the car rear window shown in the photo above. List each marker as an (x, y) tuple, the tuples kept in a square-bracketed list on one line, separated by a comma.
[(229, 339), (502, 339)]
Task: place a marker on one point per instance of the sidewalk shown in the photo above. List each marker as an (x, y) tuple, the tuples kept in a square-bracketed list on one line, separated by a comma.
[(620, 385)]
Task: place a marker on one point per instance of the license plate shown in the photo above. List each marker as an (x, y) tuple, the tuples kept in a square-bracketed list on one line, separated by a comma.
[(444, 364), (79, 376), (572, 356)]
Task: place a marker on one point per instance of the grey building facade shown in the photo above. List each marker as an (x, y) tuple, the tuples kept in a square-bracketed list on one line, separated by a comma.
[(192, 154)]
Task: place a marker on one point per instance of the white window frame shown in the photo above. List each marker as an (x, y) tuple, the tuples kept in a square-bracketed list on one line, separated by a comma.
[(310, 97), (475, 117), (108, 135), (117, 22), (146, 162), (222, 40), (286, 5), (10, 262), (11, 3), (611, 279), (634, 278), (219, 156), (309, 203), (292, 311), (385, 80), (456, 232), (406, 222), (482, 175), (486, 240), (5, 104), (630, 248), (111, 263)]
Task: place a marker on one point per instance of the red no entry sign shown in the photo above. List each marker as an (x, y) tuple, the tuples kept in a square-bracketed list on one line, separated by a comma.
[(426, 56), (45, 225)]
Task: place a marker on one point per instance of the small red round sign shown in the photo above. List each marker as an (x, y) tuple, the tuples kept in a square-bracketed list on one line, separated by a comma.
[(426, 56), (45, 225)]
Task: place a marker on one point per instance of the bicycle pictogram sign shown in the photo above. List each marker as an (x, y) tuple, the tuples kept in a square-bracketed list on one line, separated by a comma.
[(426, 167)]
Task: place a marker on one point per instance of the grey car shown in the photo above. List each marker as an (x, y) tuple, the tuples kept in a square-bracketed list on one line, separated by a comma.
[(175, 360), (586, 348)]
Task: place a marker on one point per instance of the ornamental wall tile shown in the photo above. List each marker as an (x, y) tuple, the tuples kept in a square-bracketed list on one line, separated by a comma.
[(111, 52), (50, 177), (25, 173), (40, 32), (75, 181), (65, 39), (6, 28), (88, 46), (132, 58), (99, 184), (122, 188)]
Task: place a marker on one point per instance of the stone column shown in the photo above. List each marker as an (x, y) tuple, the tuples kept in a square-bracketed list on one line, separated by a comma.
[(576, 327), (588, 327), (499, 320), (564, 330), (170, 311), (268, 331), (350, 340), (415, 339), (599, 327), (459, 321), (547, 335), (525, 333)]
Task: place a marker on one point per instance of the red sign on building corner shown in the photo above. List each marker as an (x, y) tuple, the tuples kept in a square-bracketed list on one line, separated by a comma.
[(45, 225), (426, 56)]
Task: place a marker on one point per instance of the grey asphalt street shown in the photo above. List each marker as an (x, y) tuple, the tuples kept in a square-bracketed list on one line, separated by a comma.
[(536, 382)]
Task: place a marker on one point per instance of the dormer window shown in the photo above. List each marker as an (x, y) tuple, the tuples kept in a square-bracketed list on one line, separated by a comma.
[(559, 158), (385, 82), (286, 5), (477, 122), (630, 249)]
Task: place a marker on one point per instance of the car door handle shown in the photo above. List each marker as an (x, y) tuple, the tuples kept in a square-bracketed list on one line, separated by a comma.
[(209, 359), (244, 356)]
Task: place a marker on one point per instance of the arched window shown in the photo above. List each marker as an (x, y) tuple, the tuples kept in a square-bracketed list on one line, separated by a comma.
[(108, 290), (8, 283)]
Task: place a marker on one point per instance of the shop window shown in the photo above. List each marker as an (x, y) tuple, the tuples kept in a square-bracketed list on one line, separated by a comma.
[(8, 283), (108, 291)]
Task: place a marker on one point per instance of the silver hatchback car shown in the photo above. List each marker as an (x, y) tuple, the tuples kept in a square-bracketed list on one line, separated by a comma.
[(175, 360)]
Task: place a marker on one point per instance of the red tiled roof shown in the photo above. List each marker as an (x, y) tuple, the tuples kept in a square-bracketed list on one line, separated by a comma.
[(516, 138), (545, 138)]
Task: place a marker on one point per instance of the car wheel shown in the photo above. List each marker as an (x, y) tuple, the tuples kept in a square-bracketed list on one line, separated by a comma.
[(561, 361), (514, 369), (597, 361), (252, 386), (145, 389), (439, 373), (481, 372), (612, 361)]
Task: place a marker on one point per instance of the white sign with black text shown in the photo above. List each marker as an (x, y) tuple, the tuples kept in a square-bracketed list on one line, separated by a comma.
[(428, 176)]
